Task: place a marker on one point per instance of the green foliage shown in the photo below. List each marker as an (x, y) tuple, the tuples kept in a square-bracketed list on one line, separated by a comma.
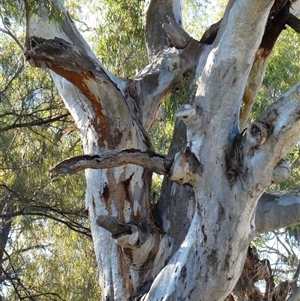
[(61, 267), (118, 36), (48, 218), (198, 15), (10, 12)]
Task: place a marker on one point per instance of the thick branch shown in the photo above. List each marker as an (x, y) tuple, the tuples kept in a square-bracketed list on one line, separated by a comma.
[(152, 161), (183, 168), (132, 234), (95, 98), (269, 139), (178, 37), (67, 61), (113, 225), (136, 238), (226, 72), (156, 80), (294, 22), (283, 118), (279, 16), (156, 13), (277, 210), (107, 100)]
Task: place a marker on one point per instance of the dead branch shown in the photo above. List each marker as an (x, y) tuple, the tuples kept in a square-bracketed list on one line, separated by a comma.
[(149, 160)]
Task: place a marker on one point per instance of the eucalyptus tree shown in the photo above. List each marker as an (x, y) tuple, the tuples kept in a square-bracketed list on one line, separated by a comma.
[(193, 243)]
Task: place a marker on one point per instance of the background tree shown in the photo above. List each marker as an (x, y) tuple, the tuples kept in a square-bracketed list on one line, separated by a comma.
[(222, 164), (34, 211)]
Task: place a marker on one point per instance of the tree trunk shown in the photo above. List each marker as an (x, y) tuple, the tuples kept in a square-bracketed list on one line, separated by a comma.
[(193, 244)]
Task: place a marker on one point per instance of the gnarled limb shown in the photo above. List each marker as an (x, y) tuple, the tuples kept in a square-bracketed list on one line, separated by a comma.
[(183, 168), (135, 238), (270, 138), (152, 161), (283, 117)]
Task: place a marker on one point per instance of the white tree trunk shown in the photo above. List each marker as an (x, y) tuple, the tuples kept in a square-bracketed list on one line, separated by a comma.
[(139, 255)]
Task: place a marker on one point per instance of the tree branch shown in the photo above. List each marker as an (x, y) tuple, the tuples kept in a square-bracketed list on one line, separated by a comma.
[(294, 22), (156, 13), (151, 85), (87, 74), (132, 234), (210, 34), (136, 238), (152, 161), (8, 32), (113, 225), (277, 210), (269, 139), (183, 168), (89, 89), (277, 20), (66, 60), (34, 123), (178, 37), (226, 73), (283, 118)]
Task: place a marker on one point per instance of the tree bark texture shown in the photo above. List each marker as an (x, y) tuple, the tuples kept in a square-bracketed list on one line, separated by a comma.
[(192, 245)]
